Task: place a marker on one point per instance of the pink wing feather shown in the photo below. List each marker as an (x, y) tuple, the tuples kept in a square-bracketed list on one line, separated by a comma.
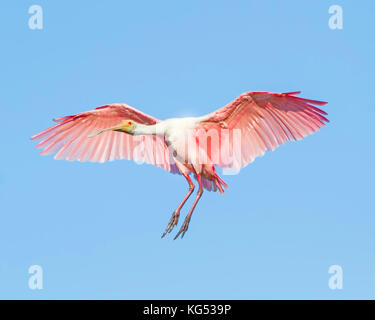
[(265, 120), (69, 138)]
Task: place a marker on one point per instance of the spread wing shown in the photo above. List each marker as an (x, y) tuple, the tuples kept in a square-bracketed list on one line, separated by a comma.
[(263, 120), (69, 138)]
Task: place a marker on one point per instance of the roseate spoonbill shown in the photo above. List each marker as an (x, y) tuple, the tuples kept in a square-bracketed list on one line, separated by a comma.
[(261, 120)]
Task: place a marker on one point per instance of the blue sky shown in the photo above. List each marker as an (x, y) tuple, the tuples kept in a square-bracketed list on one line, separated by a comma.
[(285, 219)]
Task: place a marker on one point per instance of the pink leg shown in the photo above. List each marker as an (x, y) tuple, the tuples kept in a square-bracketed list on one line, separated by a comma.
[(176, 214), (185, 226)]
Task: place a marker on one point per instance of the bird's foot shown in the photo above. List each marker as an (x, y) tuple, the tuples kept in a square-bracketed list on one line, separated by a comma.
[(172, 222), (183, 228)]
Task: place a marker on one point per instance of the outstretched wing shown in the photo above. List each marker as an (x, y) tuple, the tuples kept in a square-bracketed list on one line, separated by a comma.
[(264, 121), (69, 138)]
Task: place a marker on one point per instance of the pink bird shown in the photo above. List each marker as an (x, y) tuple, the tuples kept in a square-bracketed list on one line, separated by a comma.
[(231, 138)]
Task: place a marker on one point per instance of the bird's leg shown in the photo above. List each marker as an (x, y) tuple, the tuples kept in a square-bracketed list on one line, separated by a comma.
[(185, 226), (176, 214)]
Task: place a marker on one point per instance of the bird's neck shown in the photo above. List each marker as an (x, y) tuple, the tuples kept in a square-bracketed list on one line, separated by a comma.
[(142, 129)]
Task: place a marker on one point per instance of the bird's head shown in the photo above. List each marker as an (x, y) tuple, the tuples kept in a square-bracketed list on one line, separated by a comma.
[(127, 126)]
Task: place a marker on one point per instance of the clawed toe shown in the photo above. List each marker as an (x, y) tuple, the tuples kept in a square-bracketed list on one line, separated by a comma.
[(172, 223), (183, 229)]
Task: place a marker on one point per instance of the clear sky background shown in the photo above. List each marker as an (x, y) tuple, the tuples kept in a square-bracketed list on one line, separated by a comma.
[(285, 219)]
